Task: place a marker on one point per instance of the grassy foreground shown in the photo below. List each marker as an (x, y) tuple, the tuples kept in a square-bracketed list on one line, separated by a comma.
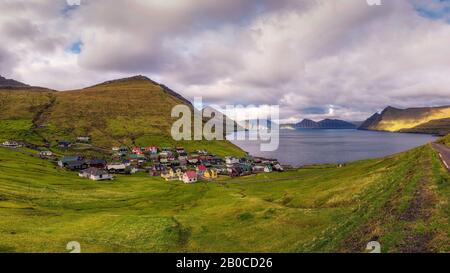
[(401, 201)]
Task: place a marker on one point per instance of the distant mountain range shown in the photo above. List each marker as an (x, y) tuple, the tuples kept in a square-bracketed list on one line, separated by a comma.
[(432, 120), (11, 83), (323, 124)]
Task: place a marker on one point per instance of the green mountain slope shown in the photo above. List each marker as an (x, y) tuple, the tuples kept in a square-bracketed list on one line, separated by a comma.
[(394, 119), (131, 111), (401, 201)]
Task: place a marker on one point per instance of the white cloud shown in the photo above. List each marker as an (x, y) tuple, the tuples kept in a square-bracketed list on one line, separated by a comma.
[(305, 55)]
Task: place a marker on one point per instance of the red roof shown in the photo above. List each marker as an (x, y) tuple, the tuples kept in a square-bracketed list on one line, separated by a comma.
[(202, 168), (191, 174)]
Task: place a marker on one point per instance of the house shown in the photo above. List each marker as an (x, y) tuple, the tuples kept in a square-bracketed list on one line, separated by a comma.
[(163, 160), (65, 160), (64, 144), (116, 168), (137, 158), (192, 160), (258, 169), (45, 154), (201, 170), (231, 160), (268, 169), (152, 150), (202, 152), (96, 174), (97, 163), (235, 171), (84, 139), (210, 174), (77, 165), (278, 168), (137, 151), (121, 151), (216, 160), (171, 175), (189, 177), (246, 168), (157, 169), (11, 144), (182, 156), (220, 169)]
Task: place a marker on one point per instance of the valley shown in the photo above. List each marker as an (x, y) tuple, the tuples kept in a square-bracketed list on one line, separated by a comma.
[(43, 207)]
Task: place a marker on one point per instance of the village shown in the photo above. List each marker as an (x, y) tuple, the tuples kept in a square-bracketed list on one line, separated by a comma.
[(171, 164)]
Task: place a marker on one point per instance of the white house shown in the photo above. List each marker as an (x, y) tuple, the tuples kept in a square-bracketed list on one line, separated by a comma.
[(11, 144), (96, 174), (46, 153), (231, 160), (116, 167), (83, 139)]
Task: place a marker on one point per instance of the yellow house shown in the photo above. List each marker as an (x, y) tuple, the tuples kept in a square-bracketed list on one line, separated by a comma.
[(210, 174), (171, 175)]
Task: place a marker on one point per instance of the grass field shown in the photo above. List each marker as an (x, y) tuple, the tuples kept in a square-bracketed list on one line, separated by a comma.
[(401, 201)]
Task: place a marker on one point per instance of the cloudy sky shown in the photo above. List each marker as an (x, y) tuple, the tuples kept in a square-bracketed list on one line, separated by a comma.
[(316, 59)]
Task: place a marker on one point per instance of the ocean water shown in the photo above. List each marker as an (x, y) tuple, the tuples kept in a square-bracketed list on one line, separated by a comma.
[(309, 146)]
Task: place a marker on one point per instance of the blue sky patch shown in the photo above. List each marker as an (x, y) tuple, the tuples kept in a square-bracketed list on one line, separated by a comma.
[(433, 9), (76, 47)]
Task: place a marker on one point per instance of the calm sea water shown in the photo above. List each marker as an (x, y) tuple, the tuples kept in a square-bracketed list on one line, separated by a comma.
[(304, 147)]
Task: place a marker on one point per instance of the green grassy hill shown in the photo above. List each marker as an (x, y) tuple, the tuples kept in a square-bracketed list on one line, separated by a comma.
[(402, 201), (131, 111)]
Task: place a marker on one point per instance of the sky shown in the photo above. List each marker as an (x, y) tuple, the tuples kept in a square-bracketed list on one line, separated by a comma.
[(315, 59)]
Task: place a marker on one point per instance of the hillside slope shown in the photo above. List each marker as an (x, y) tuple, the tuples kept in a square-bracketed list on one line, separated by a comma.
[(131, 111), (438, 126), (402, 201), (394, 119)]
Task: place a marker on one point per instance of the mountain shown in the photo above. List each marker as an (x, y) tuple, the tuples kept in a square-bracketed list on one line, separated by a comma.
[(10, 83), (129, 111), (395, 120), (325, 124), (307, 124)]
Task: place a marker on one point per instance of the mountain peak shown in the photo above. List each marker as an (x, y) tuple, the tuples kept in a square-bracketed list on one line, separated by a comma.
[(136, 78), (11, 83)]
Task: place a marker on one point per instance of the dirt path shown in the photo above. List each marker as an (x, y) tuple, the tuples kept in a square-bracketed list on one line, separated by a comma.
[(444, 153), (39, 117)]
